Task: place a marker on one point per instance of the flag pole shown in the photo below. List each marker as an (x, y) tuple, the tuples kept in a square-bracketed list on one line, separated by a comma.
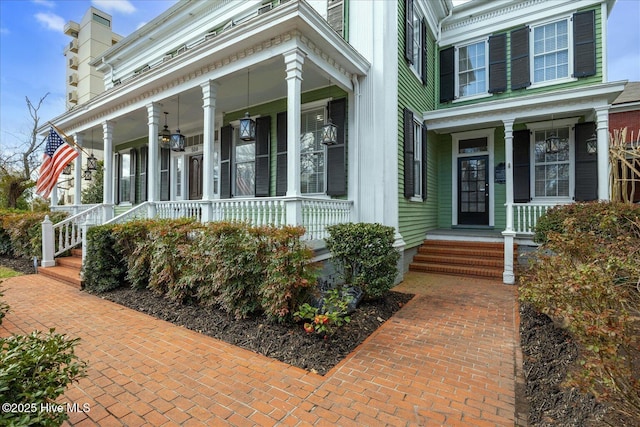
[(68, 139)]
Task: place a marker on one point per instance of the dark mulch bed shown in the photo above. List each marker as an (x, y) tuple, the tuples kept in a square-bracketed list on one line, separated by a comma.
[(285, 342), (24, 266)]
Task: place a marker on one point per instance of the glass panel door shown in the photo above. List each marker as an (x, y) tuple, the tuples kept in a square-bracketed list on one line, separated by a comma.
[(473, 190)]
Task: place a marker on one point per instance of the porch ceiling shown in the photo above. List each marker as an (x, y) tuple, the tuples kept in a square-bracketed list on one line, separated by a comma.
[(255, 47), (527, 108)]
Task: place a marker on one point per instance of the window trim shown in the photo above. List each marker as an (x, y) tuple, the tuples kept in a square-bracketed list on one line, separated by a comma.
[(417, 157), (547, 125), (419, 17), (305, 108), (570, 50), (486, 93)]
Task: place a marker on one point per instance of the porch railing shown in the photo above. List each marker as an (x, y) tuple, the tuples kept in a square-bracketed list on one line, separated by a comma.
[(526, 215), (262, 211), (318, 214)]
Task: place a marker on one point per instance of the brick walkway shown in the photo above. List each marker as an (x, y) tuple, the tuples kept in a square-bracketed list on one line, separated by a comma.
[(446, 359)]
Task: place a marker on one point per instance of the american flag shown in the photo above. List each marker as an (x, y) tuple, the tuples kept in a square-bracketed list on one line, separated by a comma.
[(57, 155)]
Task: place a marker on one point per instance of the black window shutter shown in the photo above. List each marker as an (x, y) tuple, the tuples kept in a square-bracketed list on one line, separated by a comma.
[(447, 74), (408, 31), (336, 164), (584, 44), (498, 63), (586, 164), (424, 162), (263, 143), (133, 158), (409, 190), (144, 166), (281, 155), (424, 52), (520, 59), (226, 136), (521, 166)]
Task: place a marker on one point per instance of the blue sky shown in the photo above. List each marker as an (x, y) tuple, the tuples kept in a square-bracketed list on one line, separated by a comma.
[(32, 44)]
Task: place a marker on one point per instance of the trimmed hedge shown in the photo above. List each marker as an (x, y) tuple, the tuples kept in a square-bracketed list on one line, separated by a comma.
[(21, 232), (365, 254), (241, 269)]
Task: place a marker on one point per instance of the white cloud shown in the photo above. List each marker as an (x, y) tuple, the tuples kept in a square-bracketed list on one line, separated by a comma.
[(46, 3), (122, 6), (51, 21)]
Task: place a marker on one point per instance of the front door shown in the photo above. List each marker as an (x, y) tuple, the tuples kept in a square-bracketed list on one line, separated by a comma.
[(473, 190), (195, 177)]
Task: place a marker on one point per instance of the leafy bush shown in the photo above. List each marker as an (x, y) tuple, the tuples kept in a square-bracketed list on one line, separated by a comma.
[(103, 268), (134, 246), (589, 285), (4, 307), (24, 231), (365, 255), (35, 369), (331, 315)]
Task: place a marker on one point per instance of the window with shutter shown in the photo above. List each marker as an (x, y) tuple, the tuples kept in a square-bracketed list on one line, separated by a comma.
[(165, 160), (409, 171), (471, 69), (336, 154), (226, 136), (415, 50), (551, 51), (408, 31), (144, 165)]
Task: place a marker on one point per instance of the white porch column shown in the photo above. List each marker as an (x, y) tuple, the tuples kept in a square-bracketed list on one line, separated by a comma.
[(508, 275), (209, 94), (153, 177), (293, 61), (77, 173), (602, 123), (107, 186)]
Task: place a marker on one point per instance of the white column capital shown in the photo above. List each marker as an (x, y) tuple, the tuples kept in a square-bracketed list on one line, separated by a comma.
[(508, 125), (294, 59), (153, 113), (210, 91)]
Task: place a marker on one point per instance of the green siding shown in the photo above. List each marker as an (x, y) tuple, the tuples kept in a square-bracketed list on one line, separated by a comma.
[(445, 186), (597, 78), (273, 108), (416, 218)]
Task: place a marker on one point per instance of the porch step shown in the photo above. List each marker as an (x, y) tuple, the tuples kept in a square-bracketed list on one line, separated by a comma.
[(67, 269), (461, 258)]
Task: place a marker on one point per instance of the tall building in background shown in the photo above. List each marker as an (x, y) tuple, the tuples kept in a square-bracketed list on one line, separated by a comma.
[(89, 39)]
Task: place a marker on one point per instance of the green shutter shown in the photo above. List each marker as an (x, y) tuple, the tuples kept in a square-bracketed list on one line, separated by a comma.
[(408, 31), (521, 166)]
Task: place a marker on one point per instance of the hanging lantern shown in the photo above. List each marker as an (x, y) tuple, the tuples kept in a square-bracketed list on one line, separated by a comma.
[(92, 162), (67, 170), (329, 133), (592, 144), (176, 140), (247, 124), (247, 128), (164, 137), (552, 144), (86, 175)]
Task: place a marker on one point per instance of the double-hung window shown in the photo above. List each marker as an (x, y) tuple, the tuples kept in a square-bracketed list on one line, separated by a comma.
[(312, 152), (417, 159), (552, 170), (472, 69), (551, 51), (244, 166), (415, 51)]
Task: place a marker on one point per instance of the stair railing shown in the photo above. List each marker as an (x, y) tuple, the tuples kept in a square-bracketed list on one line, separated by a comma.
[(67, 234)]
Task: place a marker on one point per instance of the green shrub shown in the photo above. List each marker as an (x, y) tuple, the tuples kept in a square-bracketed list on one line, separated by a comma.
[(134, 246), (103, 268), (24, 231), (35, 370), (4, 307), (365, 255), (585, 276)]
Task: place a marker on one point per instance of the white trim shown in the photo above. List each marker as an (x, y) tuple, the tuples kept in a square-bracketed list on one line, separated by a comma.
[(485, 93), (532, 29), (455, 155)]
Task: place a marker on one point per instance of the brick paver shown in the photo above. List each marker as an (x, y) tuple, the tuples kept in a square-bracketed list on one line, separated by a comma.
[(445, 359)]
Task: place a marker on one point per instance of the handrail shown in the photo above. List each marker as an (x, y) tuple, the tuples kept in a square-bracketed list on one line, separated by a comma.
[(133, 213)]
